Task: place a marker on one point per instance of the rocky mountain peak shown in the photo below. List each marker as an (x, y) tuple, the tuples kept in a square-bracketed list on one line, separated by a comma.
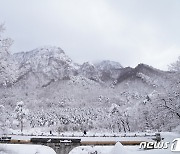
[(46, 63), (108, 65), (89, 70)]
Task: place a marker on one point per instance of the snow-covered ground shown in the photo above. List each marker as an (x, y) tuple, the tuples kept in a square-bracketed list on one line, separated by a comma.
[(25, 149), (119, 149)]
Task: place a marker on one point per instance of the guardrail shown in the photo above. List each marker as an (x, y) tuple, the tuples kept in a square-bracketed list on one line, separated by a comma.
[(94, 135)]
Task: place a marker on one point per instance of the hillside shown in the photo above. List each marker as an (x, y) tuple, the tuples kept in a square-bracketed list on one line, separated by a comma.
[(63, 95)]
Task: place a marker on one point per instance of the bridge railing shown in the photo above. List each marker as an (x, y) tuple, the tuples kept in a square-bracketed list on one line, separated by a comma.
[(93, 135)]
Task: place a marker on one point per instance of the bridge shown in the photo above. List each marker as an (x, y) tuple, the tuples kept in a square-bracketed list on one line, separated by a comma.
[(63, 145), (60, 145)]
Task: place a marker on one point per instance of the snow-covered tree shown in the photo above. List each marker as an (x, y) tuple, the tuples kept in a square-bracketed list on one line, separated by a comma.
[(2, 119), (21, 114), (7, 74), (119, 118), (175, 66)]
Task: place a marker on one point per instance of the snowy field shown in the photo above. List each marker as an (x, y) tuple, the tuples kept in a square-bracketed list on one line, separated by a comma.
[(117, 149), (25, 149)]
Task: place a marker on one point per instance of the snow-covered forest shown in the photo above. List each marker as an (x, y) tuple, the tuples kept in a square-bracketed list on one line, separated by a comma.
[(44, 88)]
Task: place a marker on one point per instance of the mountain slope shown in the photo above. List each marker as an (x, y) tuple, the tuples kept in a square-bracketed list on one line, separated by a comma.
[(45, 64), (42, 66), (54, 88), (109, 70)]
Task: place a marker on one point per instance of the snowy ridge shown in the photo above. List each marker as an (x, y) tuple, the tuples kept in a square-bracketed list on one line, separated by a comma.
[(53, 64)]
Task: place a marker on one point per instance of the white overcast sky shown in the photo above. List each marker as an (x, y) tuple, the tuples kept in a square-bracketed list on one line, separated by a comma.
[(127, 31)]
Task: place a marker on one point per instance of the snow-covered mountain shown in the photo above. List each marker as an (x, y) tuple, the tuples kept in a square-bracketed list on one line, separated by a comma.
[(142, 71), (51, 84), (47, 60), (107, 65), (46, 64), (49, 64), (89, 71), (110, 70)]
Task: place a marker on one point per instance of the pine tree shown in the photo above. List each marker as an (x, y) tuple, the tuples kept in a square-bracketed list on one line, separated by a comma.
[(20, 114)]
